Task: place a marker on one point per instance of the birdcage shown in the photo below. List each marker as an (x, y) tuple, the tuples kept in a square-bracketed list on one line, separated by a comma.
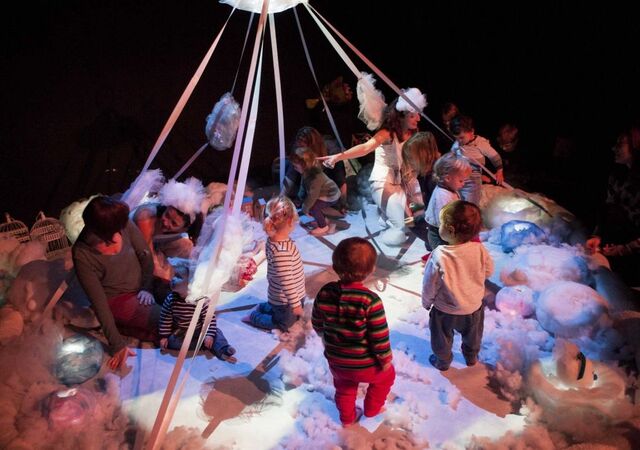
[(51, 232), (14, 228)]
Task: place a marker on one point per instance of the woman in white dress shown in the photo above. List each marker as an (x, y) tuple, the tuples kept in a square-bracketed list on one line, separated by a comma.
[(399, 123)]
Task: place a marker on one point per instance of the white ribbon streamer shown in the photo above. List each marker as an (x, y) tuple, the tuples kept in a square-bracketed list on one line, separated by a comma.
[(278, 83)]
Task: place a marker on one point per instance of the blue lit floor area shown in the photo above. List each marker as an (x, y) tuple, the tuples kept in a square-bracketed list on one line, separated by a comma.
[(545, 303), (280, 394)]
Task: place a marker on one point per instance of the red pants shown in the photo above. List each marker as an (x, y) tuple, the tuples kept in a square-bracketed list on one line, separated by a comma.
[(346, 382), (134, 319)]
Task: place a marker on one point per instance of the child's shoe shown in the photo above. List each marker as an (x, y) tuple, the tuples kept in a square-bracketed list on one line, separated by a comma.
[(440, 365), (359, 413), (227, 355), (471, 360)]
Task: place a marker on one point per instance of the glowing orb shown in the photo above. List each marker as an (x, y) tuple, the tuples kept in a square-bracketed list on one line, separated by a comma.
[(568, 309), (79, 358), (518, 232)]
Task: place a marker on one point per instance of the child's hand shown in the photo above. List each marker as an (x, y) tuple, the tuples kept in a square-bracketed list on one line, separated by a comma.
[(499, 177), (146, 298), (593, 244), (119, 359), (163, 343), (329, 161), (386, 366), (208, 342), (298, 311)]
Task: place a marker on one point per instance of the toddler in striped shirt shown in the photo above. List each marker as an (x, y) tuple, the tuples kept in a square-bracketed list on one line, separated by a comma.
[(176, 315), (285, 272)]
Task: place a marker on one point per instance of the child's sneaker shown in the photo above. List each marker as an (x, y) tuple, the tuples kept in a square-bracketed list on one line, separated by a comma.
[(227, 355), (435, 362)]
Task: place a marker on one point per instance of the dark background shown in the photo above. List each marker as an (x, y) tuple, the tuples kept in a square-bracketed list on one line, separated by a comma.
[(88, 86)]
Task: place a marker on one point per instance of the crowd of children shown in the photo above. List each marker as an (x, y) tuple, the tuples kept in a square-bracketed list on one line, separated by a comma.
[(439, 194)]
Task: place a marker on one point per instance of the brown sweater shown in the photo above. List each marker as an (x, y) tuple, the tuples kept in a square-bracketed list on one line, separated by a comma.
[(106, 276)]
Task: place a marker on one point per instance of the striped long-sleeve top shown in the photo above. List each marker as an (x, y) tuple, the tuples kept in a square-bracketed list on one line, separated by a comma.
[(176, 314), (284, 273), (353, 325)]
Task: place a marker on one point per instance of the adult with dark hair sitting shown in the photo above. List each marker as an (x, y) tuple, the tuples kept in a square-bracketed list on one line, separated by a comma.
[(115, 267), (171, 226)]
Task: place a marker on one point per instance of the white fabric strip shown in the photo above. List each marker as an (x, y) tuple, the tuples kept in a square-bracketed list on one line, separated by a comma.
[(191, 160), (315, 79), (184, 98), (169, 404), (155, 440), (244, 46), (314, 14), (243, 113), (278, 83), (248, 142)]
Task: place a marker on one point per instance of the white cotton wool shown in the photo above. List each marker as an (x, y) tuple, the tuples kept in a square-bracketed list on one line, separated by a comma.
[(568, 309), (541, 265), (516, 300)]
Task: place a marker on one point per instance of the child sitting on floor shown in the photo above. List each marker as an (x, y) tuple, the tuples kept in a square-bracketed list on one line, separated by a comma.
[(176, 315), (285, 273), (317, 190)]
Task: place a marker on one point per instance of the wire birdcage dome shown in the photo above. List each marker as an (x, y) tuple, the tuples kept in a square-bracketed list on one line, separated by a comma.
[(51, 232), (14, 228)]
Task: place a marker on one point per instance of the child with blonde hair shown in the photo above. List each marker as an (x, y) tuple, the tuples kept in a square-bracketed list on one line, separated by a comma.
[(317, 190), (450, 173), (453, 285), (285, 274), (351, 320), (418, 156)]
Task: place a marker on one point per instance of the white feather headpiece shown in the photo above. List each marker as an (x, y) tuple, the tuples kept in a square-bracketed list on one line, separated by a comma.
[(416, 97), (145, 186), (186, 197), (371, 101)]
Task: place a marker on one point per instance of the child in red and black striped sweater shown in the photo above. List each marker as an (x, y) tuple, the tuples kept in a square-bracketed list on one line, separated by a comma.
[(352, 322)]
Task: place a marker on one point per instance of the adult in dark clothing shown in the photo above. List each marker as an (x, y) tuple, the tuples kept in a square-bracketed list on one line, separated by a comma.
[(115, 267), (619, 220), (514, 157)]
